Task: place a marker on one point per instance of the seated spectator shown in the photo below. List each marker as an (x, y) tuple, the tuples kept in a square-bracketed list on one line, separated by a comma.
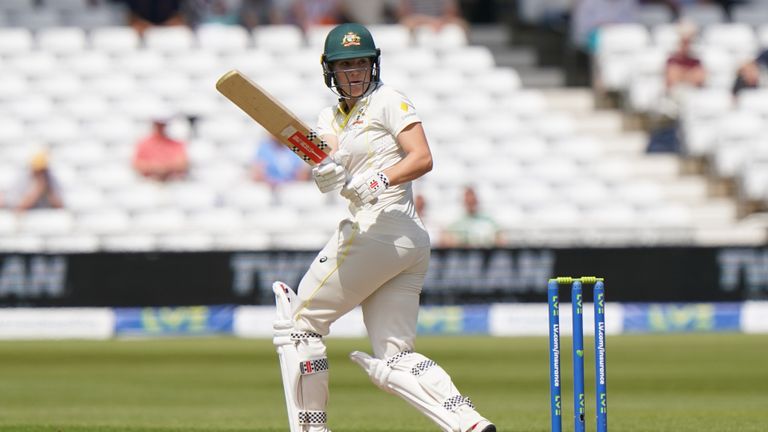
[(474, 229), (37, 188), (684, 69), (158, 156), (682, 72), (753, 74), (420, 202), (144, 14), (430, 13), (275, 163)]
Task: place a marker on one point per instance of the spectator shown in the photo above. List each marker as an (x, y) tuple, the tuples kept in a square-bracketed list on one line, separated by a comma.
[(430, 13), (37, 188), (148, 13), (275, 163), (474, 229), (420, 202), (682, 72), (684, 69), (753, 74), (158, 156)]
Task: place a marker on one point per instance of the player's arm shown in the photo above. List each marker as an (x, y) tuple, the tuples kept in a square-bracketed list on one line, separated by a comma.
[(418, 157)]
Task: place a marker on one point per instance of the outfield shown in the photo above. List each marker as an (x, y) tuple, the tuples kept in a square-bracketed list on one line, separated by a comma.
[(692, 382)]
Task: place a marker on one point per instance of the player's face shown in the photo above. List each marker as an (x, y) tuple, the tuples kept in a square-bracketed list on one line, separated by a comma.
[(353, 76)]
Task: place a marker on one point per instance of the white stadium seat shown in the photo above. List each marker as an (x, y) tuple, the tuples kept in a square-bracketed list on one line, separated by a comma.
[(220, 39), (62, 40), (15, 41), (278, 38), (170, 39), (115, 40)]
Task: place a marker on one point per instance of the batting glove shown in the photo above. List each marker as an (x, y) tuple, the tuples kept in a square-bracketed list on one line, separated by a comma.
[(329, 176), (365, 188)]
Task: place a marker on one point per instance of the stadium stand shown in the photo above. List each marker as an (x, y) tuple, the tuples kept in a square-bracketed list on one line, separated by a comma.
[(553, 166)]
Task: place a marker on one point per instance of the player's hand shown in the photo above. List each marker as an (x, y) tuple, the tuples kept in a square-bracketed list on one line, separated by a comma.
[(329, 176), (364, 188)]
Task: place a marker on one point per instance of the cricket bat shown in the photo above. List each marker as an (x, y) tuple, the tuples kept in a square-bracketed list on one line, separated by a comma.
[(273, 116)]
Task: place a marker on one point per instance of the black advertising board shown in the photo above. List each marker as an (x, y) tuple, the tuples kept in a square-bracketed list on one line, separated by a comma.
[(457, 276)]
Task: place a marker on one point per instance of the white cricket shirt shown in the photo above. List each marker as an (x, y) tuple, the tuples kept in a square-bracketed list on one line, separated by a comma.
[(369, 134)]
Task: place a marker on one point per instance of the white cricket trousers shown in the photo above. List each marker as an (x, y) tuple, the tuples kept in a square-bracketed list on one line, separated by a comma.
[(353, 269)]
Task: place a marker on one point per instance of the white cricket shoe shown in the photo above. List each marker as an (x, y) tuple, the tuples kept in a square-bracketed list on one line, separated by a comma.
[(482, 426)]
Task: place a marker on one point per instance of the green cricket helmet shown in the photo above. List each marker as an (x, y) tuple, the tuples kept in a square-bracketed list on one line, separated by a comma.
[(349, 41)]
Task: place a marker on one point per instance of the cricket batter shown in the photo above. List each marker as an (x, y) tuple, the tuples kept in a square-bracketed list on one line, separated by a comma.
[(377, 258)]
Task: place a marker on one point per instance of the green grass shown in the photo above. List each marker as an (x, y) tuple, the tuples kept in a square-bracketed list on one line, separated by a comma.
[(655, 383)]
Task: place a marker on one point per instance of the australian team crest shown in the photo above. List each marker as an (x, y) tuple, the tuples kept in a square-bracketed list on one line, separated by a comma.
[(350, 39)]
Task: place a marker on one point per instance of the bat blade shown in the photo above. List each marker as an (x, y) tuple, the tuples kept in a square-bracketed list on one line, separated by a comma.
[(273, 116)]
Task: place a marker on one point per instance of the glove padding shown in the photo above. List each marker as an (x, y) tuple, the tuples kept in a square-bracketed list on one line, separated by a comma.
[(329, 176), (364, 188)]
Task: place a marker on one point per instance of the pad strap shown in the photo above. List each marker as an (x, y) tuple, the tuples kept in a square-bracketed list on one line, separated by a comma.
[(454, 402), (312, 418), (310, 367), (297, 336)]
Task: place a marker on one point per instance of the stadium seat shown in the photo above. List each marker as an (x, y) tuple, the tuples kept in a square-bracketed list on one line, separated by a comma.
[(196, 64), (301, 196), (115, 39), (222, 39), (8, 222), (618, 45), (191, 197), (159, 220), (242, 241), (62, 40), (248, 196), (46, 222), (88, 64), (129, 242), (278, 38), (142, 63), (102, 221), (59, 132), (15, 41), (72, 243), (469, 59), (315, 36), (83, 198), (12, 131), (169, 40), (738, 39), (225, 220), (448, 37), (753, 100), (391, 37), (22, 243), (34, 65), (186, 242)]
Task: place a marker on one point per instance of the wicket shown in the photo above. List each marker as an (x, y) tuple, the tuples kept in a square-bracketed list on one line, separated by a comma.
[(601, 395)]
